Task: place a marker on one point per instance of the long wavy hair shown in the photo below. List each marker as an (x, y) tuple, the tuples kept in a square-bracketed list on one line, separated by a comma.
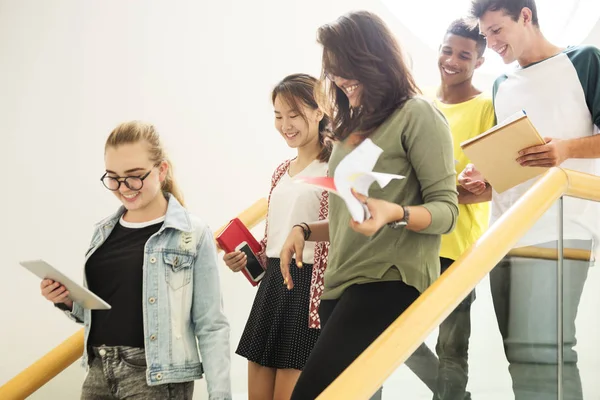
[(360, 46)]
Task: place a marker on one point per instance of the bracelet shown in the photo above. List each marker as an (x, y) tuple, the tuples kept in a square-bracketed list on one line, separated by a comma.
[(305, 229)]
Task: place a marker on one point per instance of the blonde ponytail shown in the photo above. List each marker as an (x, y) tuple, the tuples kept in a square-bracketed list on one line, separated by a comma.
[(170, 184)]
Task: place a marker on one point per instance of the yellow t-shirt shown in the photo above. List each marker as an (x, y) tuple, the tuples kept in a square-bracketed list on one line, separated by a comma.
[(467, 120)]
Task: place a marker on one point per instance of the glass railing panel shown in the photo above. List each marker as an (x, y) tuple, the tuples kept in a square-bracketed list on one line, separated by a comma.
[(473, 365), (580, 301), (500, 343)]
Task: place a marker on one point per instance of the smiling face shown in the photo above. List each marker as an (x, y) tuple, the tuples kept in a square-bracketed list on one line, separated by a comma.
[(458, 59), (351, 87), (507, 37), (299, 128), (132, 161)]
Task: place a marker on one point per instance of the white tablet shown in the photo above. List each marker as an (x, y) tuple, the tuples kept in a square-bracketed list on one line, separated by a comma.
[(77, 292)]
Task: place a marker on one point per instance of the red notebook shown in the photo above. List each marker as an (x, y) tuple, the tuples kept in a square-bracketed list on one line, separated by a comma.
[(236, 237)]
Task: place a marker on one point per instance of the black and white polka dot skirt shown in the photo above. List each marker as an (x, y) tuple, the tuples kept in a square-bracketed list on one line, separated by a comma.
[(277, 333)]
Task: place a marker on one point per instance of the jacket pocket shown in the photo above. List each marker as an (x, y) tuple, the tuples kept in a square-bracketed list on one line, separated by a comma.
[(178, 269)]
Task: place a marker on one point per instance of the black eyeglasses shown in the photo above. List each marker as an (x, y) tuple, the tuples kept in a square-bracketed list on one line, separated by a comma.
[(132, 182)]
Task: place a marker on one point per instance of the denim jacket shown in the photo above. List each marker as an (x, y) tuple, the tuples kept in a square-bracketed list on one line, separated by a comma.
[(182, 303)]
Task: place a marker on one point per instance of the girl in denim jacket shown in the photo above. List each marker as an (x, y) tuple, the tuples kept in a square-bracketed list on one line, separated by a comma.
[(283, 325), (156, 265)]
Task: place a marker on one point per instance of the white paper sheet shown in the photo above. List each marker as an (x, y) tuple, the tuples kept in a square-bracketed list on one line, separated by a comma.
[(356, 171)]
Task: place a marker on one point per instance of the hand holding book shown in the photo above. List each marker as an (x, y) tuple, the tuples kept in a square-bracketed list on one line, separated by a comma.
[(551, 154), (496, 152)]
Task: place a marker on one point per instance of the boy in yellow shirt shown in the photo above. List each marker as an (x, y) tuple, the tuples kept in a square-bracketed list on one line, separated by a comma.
[(469, 113)]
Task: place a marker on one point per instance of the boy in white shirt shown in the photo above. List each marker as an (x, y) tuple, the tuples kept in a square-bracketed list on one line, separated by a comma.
[(559, 89)]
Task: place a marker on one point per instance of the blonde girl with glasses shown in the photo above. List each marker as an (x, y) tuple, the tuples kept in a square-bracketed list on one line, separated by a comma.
[(156, 265)]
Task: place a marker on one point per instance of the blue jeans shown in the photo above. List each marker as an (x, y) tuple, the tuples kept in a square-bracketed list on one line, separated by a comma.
[(447, 374), (120, 373), (524, 292)]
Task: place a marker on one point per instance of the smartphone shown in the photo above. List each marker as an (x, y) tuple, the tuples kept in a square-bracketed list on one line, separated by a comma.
[(253, 266)]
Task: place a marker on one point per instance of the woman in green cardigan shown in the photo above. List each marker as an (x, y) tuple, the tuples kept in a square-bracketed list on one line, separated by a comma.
[(377, 268)]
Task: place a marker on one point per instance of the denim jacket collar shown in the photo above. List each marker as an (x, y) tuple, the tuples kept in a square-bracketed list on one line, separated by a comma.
[(176, 216)]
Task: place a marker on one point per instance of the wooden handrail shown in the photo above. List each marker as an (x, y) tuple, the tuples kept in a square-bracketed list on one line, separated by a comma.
[(541, 253), (43, 370), (395, 344), (368, 372), (251, 216), (54, 362)]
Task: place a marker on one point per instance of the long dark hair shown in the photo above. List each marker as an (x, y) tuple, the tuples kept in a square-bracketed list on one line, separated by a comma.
[(302, 88), (360, 46)]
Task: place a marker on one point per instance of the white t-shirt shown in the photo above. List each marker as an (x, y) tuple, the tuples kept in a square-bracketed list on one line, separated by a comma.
[(561, 96), (292, 203)]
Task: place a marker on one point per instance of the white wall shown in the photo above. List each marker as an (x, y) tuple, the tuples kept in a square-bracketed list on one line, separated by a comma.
[(202, 72)]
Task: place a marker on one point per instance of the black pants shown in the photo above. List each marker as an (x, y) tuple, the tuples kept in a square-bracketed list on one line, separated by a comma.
[(349, 325)]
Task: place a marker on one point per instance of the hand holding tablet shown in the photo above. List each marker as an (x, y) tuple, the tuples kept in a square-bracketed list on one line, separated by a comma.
[(72, 291)]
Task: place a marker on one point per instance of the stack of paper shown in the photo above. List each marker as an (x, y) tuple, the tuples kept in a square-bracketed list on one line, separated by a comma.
[(355, 171)]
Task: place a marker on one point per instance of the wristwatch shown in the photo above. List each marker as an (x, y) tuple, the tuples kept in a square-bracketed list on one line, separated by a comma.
[(402, 222)]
